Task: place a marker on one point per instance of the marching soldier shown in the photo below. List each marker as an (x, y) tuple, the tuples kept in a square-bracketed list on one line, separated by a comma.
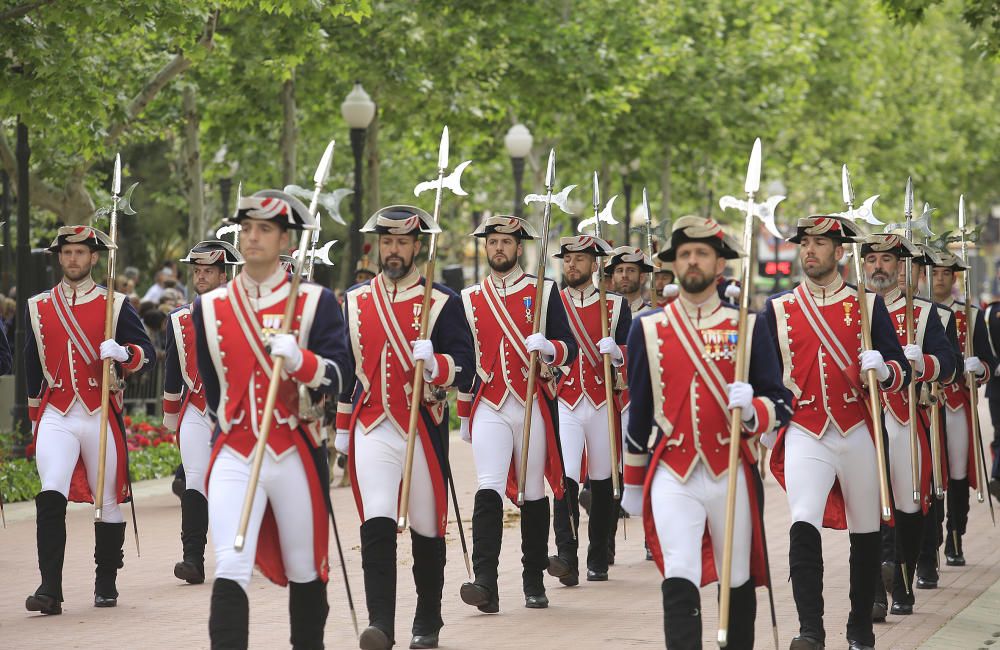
[(826, 459), (500, 312), (583, 417), (365, 270), (664, 289), (184, 407), (681, 368), (235, 329), (957, 414), (64, 364), (627, 267), (933, 360), (383, 318), (992, 320)]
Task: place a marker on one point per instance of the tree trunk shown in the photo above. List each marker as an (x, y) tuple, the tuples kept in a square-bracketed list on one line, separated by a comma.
[(374, 201), (289, 131), (192, 167), (665, 190)]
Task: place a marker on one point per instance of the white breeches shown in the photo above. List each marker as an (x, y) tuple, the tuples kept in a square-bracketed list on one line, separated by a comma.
[(64, 439), (283, 485), (812, 465), (900, 464), (957, 438), (379, 456), (585, 425), (680, 512), (496, 436), (195, 434)]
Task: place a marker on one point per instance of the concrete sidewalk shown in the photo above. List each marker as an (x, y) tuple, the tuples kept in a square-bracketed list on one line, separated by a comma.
[(157, 611)]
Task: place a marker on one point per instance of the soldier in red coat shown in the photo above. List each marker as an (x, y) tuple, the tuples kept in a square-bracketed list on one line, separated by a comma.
[(664, 288), (933, 360), (681, 373), (237, 330), (501, 312), (63, 358), (626, 268), (583, 409), (383, 317), (962, 475), (184, 408), (826, 458)]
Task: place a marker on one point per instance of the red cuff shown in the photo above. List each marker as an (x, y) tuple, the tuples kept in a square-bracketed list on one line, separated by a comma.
[(561, 357), (136, 359), (464, 405), (306, 374), (344, 412), (931, 368), (766, 418), (895, 381), (445, 370), (635, 468)]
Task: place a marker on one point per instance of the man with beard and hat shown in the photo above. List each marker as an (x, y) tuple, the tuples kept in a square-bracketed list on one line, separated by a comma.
[(237, 330), (681, 370), (373, 415), (583, 409), (664, 287), (184, 407), (626, 268), (365, 269), (500, 311), (64, 355), (932, 359), (962, 475), (826, 458)]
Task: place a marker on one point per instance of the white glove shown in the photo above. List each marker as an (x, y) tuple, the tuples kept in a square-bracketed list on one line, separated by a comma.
[(424, 349), (285, 345), (538, 343), (914, 354), (741, 397), (342, 441), (110, 349), (972, 364), (671, 290), (872, 360), (768, 439), (607, 345), (733, 292), (632, 500), (463, 429)]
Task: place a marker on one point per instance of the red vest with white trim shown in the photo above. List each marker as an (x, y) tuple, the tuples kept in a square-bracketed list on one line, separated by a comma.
[(956, 394), (897, 403), (182, 332), (585, 376)]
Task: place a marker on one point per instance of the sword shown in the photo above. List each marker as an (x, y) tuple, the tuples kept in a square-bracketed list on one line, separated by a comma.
[(874, 404), (970, 378), (452, 182)]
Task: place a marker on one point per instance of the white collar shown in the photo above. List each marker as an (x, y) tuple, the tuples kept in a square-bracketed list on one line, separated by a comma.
[(265, 288)]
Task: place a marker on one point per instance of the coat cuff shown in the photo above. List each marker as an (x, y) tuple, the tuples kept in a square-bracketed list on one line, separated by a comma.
[(895, 381), (561, 357), (344, 412), (171, 410), (137, 358), (311, 372), (635, 468), (766, 418), (464, 405), (446, 370), (33, 404), (932, 368)]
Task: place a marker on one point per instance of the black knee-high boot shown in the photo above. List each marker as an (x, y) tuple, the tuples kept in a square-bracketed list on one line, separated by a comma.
[(534, 551), (742, 616), (307, 612), (428, 576), (864, 576), (597, 529), (565, 564), (930, 542), (487, 535), (909, 528), (229, 616), (887, 554), (378, 560), (50, 537), (805, 567), (681, 614), (957, 518), (109, 539), (194, 531)]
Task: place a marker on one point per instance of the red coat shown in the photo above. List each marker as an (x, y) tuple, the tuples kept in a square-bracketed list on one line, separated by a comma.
[(182, 385), (585, 376)]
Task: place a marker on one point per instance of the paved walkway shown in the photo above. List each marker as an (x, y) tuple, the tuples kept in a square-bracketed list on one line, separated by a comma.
[(156, 611)]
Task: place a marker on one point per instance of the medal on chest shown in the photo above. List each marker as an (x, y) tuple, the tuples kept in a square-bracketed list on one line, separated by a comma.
[(848, 319), (417, 308), (527, 308), (719, 344), (271, 324), (900, 326)]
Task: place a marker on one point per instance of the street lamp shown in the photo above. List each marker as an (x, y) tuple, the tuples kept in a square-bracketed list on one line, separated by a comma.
[(776, 188), (358, 110), (518, 142)]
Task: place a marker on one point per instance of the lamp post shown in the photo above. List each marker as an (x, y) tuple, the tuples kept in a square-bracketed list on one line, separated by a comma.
[(518, 142), (358, 110), (776, 188)]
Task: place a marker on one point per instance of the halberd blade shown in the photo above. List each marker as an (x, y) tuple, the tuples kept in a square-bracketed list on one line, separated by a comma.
[(443, 151), (550, 170), (753, 169), (596, 194), (604, 216), (125, 205), (561, 200), (452, 181), (323, 170), (116, 179), (228, 229), (763, 211), (961, 212), (908, 198)]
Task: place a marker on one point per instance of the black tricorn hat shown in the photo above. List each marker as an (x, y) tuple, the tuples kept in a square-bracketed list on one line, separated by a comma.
[(704, 230), (86, 235), (213, 252), (277, 206), (401, 220), (842, 231)]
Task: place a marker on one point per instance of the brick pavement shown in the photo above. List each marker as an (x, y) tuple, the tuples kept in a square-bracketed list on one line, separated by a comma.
[(156, 611)]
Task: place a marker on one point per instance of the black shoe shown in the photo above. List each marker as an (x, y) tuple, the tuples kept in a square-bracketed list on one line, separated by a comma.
[(597, 576), (43, 604), (108, 542), (189, 572), (805, 643), (101, 601), (540, 601), (879, 611), (564, 565), (953, 555), (927, 576), (888, 575), (424, 641), (858, 645), (372, 638), (901, 609), (480, 596), (560, 568)]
